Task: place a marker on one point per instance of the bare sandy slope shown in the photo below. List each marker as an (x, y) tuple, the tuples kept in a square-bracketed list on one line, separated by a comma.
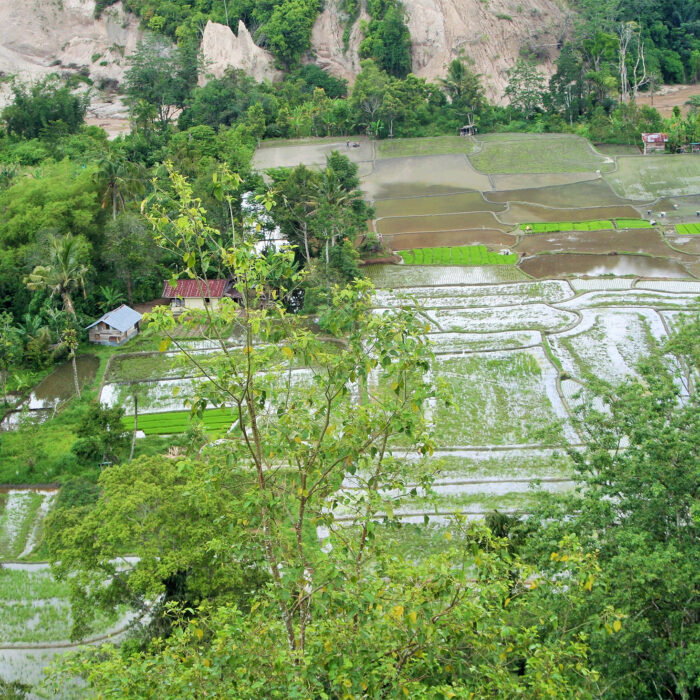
[(490, 33), (668, 97)]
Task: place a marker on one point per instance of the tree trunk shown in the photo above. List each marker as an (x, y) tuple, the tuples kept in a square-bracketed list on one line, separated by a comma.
[(115, 197), (136, 426), (306, 242), (68, 303), (129, 291), (75, 373)]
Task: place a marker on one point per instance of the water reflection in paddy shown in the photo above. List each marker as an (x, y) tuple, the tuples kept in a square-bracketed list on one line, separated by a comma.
[(438, 222), (596, 193), (59, 385), (521, 213), (563, 264), (434, 239), (647, 241), (442, 204)]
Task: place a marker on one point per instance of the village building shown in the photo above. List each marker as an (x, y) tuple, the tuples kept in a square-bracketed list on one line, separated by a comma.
[(654, 142), (115, 327), (199, 294)]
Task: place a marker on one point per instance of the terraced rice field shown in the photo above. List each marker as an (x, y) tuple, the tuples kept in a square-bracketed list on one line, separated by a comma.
[(22, 513)]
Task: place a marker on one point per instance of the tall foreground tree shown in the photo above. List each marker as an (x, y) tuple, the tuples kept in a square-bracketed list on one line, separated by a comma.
[(639, 509), (311, 474), (64, 271)]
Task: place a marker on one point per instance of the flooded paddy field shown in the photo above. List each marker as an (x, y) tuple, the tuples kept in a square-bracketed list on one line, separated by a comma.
[(439, 204), (494, 239), (287, 153), (658, 175), (596, 193), (518, 213), (571, 264), (644, 241), (439, 222), (544, 153), (418, 176)]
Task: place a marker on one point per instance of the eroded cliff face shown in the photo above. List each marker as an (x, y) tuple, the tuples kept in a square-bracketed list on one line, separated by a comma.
[(42, 36), (490, 32), (221, 48)]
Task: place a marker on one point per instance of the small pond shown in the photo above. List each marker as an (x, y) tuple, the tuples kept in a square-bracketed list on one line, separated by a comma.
[(59, 385), (564, 264)]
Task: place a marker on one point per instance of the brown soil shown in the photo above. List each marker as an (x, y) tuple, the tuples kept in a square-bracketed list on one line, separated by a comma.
[(674, 95), (436, 239), (645, 241)]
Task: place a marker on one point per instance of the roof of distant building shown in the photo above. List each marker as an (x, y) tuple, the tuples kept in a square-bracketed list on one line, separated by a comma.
[(121, 318), (194, 289)]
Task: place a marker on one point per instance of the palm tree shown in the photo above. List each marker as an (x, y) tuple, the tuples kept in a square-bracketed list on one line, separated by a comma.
[(118, 179), (111, 298), (65, 269), (331, 206)]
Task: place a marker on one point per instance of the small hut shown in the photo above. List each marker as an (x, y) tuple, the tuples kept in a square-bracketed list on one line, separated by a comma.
[(199, 294), (115, 327), (469, 129), (654, 142)]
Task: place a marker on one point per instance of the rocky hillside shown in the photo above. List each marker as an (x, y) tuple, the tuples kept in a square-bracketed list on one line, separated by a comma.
[(490, 32), (40, 36), (43, 36)]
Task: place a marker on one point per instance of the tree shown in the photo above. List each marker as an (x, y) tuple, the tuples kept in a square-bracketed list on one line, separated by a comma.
[(117, 179), (130, 249), (307, 416), (37, 107), (101, 434), (69, 339), (637, 508), (525, 88), (464, 87), (368, 91), (10, 348), (159, 77), (64, 271)]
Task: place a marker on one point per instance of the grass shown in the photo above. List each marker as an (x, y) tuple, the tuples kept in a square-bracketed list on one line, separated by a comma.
[(430, 146), (557, 226), (458, 255), (215, 420), (688, 228), (541, 153)]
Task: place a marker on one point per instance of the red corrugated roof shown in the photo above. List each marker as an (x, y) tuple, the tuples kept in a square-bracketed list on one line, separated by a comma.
[(655, 138), (191, 289)]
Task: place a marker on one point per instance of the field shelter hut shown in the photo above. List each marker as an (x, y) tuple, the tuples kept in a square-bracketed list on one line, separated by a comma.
[(199, 294), (654, 142), (115, 327)]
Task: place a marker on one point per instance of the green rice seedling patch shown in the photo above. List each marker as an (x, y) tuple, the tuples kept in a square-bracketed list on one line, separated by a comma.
[(632, 223), (170, 422), (685, 229), (473, 255), (559, 226), (496, 399)]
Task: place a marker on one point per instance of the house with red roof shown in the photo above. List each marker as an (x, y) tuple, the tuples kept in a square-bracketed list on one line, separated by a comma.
[(199, 294)]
